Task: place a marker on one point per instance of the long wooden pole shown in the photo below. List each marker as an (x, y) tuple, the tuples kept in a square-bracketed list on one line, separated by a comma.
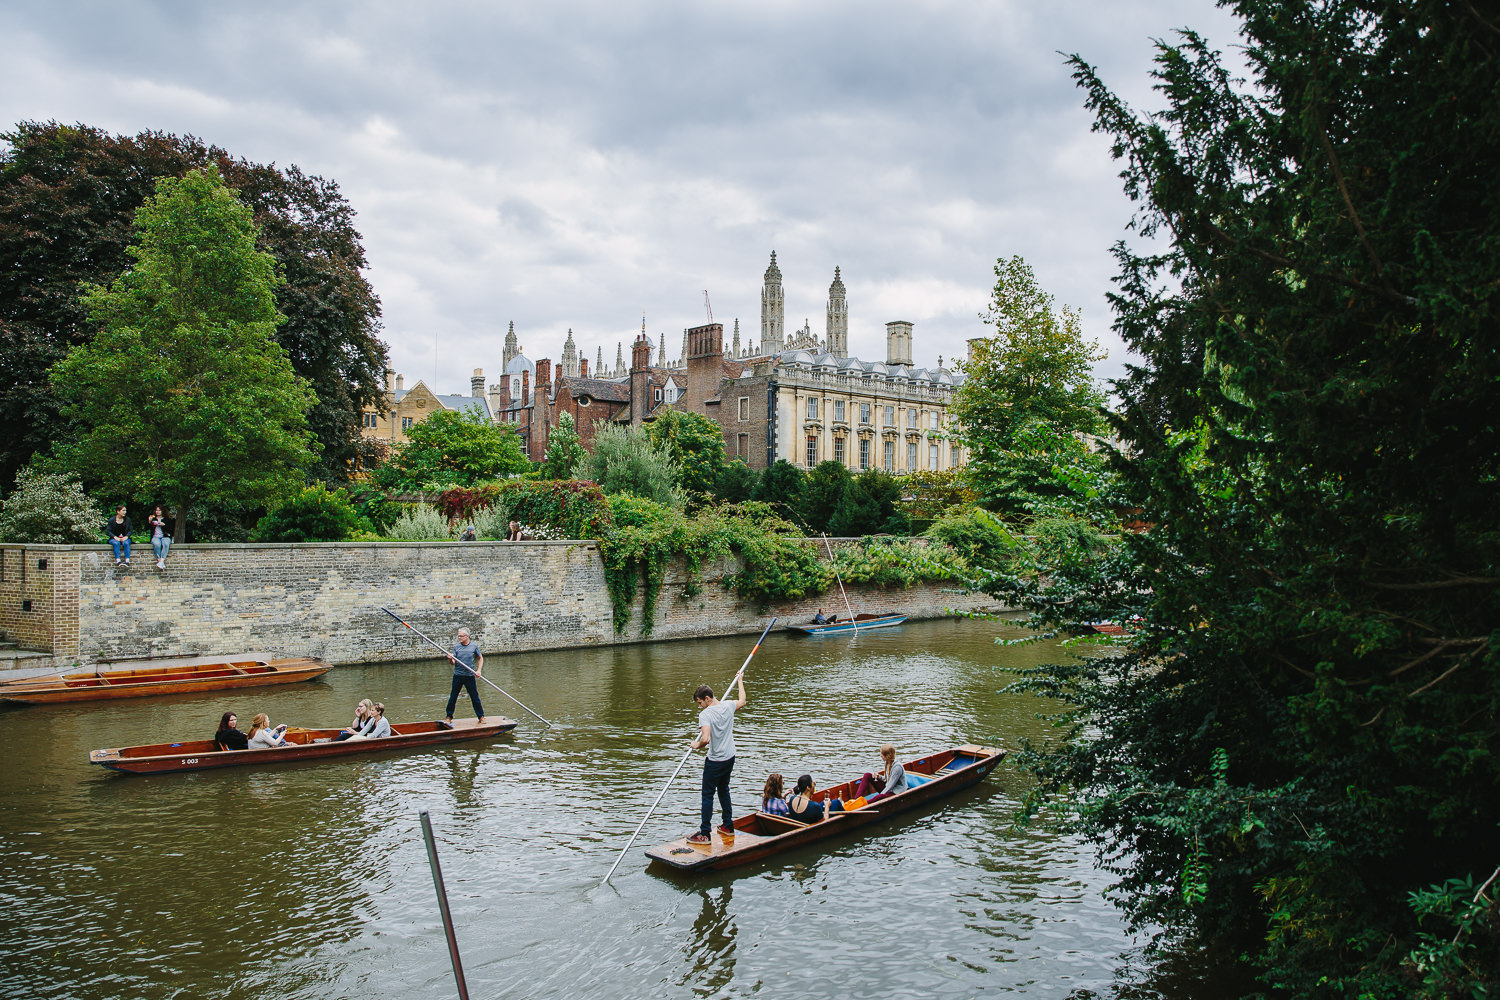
[(442, 895), (852, 620), (683, 762), (440, 649)]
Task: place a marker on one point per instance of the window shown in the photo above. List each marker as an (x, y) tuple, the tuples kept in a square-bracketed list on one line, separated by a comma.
[(372, 420), (744, 407), (812, 450), (812, 408), (838, 410), (911, 456), (958, 454), (890, 456), (744, 446), (864, 453), (658, 395), (932, 422), (864, 413), (890, 416), (911, 418), (838, 449), (932, 456), (406, 423), (584, 401)]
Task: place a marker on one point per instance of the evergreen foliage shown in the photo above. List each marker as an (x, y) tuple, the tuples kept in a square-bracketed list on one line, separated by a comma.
[(564, 450), (1296, 758), (868, 507), (696, 447), (317, 514), (737, 482), (823, 490), (420, 523), (184, 392), (781, 487), (51, 509), (626, 460)]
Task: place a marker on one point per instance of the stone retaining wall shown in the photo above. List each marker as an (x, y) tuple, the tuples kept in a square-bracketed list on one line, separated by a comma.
[(324, 599)]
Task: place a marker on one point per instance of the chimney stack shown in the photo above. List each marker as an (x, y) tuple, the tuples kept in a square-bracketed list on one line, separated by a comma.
[(400, 383), (544, 377), (390, 380), (476, 384), (525, 387), (583, 367)]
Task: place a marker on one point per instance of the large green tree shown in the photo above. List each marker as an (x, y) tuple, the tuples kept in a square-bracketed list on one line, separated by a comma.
[(184, 393), (1028, 389), (1297, 759), (564, 450), (452, 448), (67, 198), (696, 445), (626, 460)]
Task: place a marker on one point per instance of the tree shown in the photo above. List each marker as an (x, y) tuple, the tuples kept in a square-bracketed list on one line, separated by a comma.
[(696, 446), (1035, 371), (626, 460), (452, 448), (737, 482), (564, 451), (868, 507), (822, 490), (1296, 759), (781, 487), (67, 198), (184, 393), (50, 509)]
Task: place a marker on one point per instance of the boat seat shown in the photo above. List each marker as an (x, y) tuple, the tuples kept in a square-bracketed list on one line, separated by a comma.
[(960, 760), (913, 780), (789, 821)]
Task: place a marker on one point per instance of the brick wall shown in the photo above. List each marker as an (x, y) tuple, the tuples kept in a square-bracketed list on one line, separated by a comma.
[(324, 600)]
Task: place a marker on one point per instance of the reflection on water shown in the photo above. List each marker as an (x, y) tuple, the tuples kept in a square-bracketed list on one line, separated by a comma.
[(310, 880)]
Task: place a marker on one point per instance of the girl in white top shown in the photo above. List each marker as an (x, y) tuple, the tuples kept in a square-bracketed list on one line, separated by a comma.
[(262, 736)]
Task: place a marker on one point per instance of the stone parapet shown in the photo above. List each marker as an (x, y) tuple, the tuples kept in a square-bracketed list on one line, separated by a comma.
[(324, 599)]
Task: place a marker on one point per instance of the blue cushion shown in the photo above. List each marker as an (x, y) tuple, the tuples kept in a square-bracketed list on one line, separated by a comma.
[(913, 780)]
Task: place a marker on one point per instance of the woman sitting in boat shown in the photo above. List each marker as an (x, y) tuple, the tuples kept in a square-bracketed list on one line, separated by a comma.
[(362, 715), (263, 736), (803, 806), (377, 727), (772, 798), (890, 781), (228, 737)]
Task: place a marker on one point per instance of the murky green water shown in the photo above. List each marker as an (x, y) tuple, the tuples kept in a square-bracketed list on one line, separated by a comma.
[(311, 880)]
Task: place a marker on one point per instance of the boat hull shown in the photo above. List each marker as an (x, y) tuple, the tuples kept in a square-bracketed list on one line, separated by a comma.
[(839, 628), (106, 685), (315, 744), (756, 836)]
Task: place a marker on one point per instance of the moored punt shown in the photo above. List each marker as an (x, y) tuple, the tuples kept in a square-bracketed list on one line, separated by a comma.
[(307, 744), (860, 623), (176, 678), (762, 834)]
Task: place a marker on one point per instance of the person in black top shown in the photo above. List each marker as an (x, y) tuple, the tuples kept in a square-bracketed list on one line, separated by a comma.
[(802, 805), (118, 530), (228, 737)]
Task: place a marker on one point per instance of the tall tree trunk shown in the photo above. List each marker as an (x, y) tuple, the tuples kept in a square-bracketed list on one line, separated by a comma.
[(179, 529)]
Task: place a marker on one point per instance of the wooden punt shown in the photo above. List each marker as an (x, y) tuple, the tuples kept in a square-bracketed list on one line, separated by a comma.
[(762, 834), (308, 744), (208, 674), (861, 623)]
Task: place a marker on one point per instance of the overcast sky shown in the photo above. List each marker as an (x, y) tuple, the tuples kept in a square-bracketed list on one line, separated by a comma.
[(572, 165)]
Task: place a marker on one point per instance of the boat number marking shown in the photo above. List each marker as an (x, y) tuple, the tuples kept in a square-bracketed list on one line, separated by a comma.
[(190, 760)]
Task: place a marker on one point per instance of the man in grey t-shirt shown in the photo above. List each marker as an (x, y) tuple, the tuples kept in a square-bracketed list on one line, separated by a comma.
[(716, 731), (468, 664)]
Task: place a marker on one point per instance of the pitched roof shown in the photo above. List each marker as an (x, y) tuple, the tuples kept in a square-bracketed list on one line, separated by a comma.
[(596, 388)]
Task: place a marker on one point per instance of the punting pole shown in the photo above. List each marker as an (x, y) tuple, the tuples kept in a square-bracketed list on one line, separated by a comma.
[(491, 683), (681, 763), (442, 895), (852, 620)]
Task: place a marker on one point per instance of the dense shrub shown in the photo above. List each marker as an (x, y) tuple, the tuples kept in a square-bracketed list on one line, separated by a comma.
[(979, 537), (420, 523), (897, 562), (575, 508), (314, 515), (626, 460), (50, 509)]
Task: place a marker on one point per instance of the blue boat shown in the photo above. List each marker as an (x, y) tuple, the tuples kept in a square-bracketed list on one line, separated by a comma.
[(861, 623)]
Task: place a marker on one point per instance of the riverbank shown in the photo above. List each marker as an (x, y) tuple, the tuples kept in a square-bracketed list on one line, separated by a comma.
[(323, 599)]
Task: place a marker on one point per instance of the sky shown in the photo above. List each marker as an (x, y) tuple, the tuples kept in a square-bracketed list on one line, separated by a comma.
[(574, 166)]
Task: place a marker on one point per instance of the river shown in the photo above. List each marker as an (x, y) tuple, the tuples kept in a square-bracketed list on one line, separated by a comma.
[(311, 880)]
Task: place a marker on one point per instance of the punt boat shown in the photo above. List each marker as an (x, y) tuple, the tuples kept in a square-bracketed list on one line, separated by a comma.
[(762, 834), (860, 623), (307, 744), (182, 677)]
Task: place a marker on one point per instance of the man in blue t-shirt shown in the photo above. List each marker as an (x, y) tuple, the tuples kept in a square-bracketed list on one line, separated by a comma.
[(468, 663), (716, 731)]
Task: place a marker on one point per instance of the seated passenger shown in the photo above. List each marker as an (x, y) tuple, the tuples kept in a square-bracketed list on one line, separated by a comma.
[(376, 728), (362, 713), (890, 781), (818, 618), (771, 798), (264, 736), (228, 737), (802, 805)]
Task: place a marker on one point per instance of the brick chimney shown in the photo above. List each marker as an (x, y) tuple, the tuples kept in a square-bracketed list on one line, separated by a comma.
[(525, 387), (583, 367), (544, 378), (640, 380), (476, 384), (705, 366)]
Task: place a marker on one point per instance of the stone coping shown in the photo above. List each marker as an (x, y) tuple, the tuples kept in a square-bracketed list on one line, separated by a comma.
[(104, 546)]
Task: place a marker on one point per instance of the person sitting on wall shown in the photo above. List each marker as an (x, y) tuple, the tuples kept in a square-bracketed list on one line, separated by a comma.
[(513, 532), (228, 737), (377, 727), (118, 530), (264, 736), (468, 534)]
